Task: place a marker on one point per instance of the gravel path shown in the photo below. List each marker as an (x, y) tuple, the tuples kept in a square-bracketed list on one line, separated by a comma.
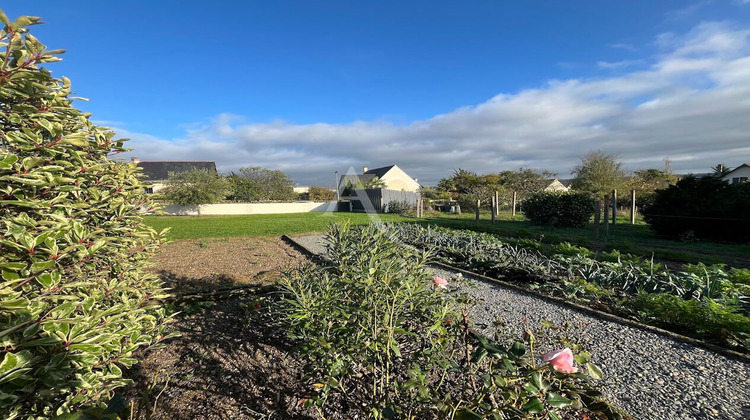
[(649, 375)]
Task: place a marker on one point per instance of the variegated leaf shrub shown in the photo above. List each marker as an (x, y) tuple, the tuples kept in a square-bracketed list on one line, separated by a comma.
[(74, 300)]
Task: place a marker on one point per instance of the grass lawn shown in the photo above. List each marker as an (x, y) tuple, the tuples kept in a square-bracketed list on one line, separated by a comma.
[(193, 227), (635, 239)]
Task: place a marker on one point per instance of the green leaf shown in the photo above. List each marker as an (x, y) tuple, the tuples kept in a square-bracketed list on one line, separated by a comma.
[(41, 266), (534, 405), (531, 389), (4, 18), (518, 349), (466, 414), (594, 371), (557, 400), (13, 361), (13, 266), (538, 381)]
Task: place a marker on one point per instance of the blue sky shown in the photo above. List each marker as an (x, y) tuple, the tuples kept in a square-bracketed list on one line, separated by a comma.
[(310, 87)]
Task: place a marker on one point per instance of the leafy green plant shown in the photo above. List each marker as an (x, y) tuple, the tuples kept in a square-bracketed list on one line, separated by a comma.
[(374, 321), (693, 317), (373, 309), (401, 207), (559, 209), (75, 302)]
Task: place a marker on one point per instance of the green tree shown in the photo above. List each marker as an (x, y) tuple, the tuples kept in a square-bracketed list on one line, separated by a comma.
[(375, 183), (260, 184), (195, 187), (598, 173), (524, 181), (720, 170), (321, 194), (75, 302)]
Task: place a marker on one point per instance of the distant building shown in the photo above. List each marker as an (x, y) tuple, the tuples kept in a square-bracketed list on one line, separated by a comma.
[(157, 173), (738, 174), (393, 178), (556, 185)]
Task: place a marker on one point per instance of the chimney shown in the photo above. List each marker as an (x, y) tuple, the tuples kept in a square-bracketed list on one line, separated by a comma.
[(135, 159), (364, 169)]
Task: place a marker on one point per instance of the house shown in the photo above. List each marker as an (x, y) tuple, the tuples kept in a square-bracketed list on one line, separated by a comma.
[(556, 185), (392, 177), (738, 174), (156, 173)]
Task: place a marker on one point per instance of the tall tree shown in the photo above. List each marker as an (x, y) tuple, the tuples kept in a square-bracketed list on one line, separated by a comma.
[(598, 173), (260, 184), (196, 187), (720, 170)]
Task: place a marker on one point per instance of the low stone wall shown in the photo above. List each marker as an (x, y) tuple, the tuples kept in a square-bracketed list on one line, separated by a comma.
[(250, 208)]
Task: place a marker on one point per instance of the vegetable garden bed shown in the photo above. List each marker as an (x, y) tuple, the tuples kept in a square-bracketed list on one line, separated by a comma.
[(709, 303)]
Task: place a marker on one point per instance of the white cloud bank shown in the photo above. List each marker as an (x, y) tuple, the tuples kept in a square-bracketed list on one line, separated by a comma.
[(691, 104)]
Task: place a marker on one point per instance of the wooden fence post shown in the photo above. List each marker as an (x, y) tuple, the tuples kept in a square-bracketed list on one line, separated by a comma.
[(494, 207), (632, 207), (479, 203), (513, 211), (606, 218), (597, 218), (614, 206), (497, 203)]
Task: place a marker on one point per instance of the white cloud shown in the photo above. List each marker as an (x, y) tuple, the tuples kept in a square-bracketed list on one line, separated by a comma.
[(690, 104), (618, 64)]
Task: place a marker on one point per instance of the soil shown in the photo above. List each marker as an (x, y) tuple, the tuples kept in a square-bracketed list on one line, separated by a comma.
[(221, 366)]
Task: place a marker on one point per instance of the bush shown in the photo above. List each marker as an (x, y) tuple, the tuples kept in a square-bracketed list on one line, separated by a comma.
[(375, 333), (399, 207), (559, 209), (74, 300), (702, 208)]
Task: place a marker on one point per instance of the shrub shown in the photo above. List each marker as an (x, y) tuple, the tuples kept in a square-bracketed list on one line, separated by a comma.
[(401, 207), (74, 300), (702, 208), (377, 333), (559, 209)]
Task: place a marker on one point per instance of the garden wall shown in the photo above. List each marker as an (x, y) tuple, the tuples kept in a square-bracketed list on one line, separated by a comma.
[(250, 208)]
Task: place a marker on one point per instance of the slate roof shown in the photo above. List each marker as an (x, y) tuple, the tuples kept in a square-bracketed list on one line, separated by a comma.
[(379, 172), (159, 170)]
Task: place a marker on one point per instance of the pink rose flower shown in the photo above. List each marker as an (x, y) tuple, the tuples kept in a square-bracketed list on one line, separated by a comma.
[(561, 360), (440, 282)]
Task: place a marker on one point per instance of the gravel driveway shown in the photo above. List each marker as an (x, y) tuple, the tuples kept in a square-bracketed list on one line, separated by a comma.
[(648, 374)]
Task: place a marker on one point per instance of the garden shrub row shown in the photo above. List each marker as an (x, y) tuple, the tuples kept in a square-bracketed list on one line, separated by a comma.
[(701, 208), (380, 334), (616, 287)]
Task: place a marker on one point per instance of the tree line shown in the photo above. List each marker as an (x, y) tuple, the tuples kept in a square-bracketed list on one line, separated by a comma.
[(249, 184)]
